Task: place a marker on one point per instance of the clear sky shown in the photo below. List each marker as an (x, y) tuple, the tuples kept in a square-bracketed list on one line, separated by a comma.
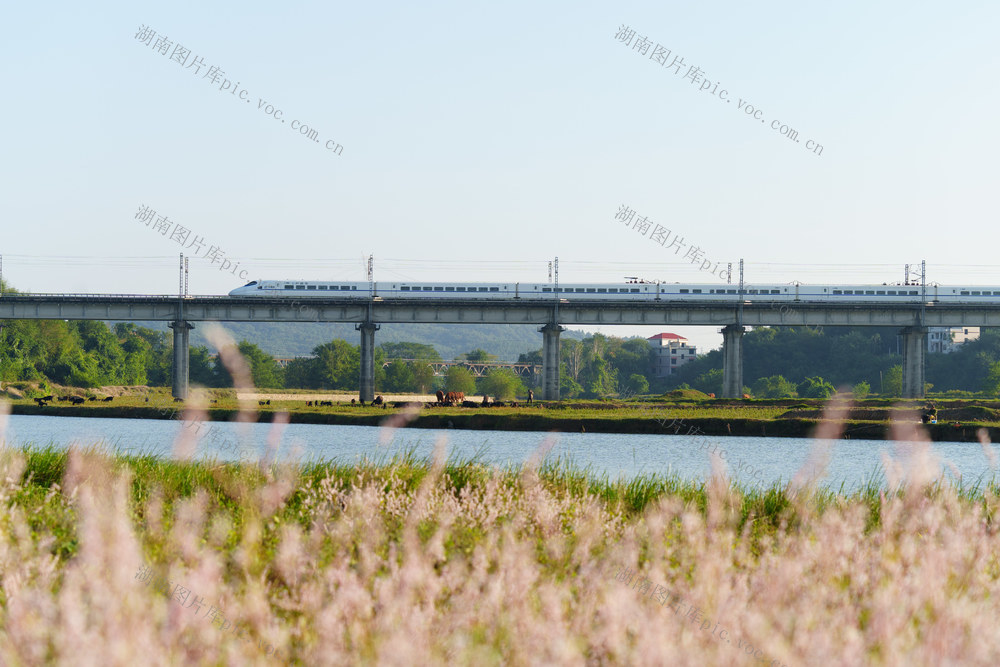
[(480, 140)]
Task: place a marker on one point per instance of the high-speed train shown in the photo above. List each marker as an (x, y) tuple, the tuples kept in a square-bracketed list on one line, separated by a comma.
[(634, 291)]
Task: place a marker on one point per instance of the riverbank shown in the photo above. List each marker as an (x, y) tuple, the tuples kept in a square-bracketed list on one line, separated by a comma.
[(959, 421)]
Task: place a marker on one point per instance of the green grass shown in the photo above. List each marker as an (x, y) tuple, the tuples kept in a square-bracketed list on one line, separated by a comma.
[(228, 489)]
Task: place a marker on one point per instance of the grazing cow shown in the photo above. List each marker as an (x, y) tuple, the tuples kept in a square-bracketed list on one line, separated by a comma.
[(108, 399), (513, 404), (440, 396), (41, 402), (469, 404), (309, 404), (268, 402), (260, 402), (48, 398), (354, 402), (377, 401), (92, 398), (454, 397), (76, 400)]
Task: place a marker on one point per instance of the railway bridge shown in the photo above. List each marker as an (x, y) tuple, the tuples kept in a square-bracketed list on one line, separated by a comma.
[(731, 316)]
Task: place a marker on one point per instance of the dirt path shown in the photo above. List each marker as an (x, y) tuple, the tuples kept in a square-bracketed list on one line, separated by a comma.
[(339, 398)]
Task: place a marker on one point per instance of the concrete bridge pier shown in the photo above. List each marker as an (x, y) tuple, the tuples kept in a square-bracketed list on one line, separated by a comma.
[(182, 358), (914, 356), (550, 361), (367, 384), (732, 361)]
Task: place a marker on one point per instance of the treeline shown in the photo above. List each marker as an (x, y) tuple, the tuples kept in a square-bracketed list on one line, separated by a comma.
[(783, 362)]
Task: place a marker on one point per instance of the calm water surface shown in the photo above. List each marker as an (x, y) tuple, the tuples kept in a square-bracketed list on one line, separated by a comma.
[(750, 460)]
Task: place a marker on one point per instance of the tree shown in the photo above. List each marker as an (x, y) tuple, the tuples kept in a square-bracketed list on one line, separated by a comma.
[(459, 379), (399, 377), (264, 370), (637, 384), (861, 389), (338, 365), (709, 382), (892, 381), (815, 387), (502, 384), (403, 350), (423, 377), (774, 386), (991, 384), (568, 387), (478, 355)]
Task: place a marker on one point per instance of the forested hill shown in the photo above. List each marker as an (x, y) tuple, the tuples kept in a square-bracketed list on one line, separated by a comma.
[(283, 339)]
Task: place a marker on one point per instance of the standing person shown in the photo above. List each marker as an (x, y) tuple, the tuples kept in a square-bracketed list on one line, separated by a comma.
[(531, 396)]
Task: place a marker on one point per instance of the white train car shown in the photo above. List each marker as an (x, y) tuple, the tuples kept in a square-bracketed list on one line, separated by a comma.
[(633, 291)]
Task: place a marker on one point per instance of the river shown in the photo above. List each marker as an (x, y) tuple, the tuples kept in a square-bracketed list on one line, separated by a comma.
[(751, 460)]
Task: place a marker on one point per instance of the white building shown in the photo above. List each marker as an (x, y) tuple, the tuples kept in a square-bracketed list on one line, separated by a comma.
[(670, 353), (947, 339)]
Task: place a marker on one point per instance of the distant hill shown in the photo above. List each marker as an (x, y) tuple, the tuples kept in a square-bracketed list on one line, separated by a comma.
[(285, 339)]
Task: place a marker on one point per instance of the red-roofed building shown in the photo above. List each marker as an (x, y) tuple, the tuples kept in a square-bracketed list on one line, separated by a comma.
[(670, 351)]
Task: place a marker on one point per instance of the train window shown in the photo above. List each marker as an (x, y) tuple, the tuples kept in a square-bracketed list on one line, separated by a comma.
[(449, 289), (996, 293), (439, 289), (871, 292), (289, 286), (964, 292), (426, 288), (881, 291), (752, 291), (696, 291), (602, 290), (837, 291), (459, 289), (776, 291), (913, 292), (494, 289), (310, 287), (975, 292), (404, 288), (683, 291), (732, 291), (300, 287), (891, 292), (635, 289), (590, 290), (486, 289), (546, 289)]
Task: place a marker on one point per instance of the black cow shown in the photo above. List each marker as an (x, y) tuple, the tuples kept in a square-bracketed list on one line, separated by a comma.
[(108, 399), (377, 401), (76, 400)]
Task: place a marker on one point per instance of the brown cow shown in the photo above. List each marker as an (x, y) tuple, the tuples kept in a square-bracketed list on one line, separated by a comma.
[(440, 396), (454, 397)]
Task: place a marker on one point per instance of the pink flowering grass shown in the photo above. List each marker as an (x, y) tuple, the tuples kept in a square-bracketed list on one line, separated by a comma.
[(413, 562)]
